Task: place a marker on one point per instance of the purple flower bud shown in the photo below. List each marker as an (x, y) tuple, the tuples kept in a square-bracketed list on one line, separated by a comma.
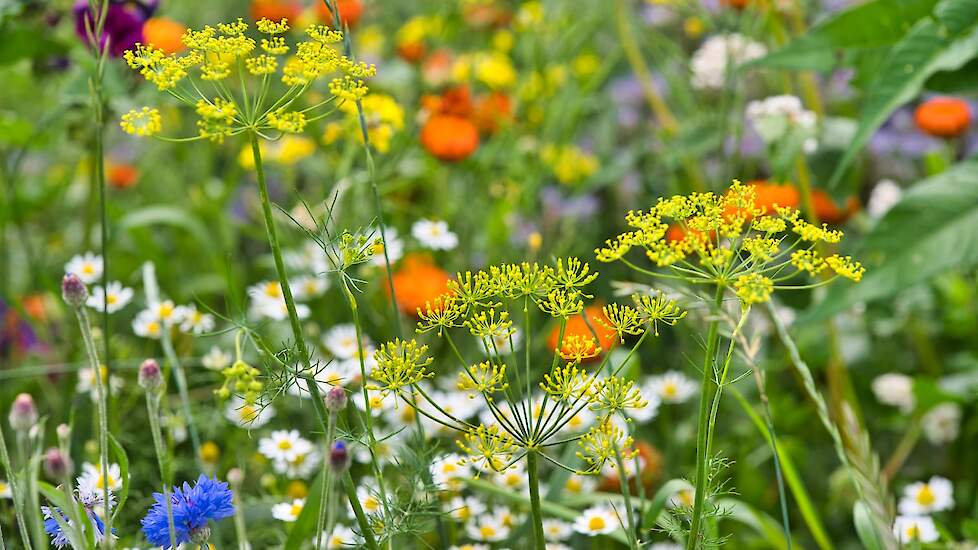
[(64, 434), (339, 456), (56, 465), (23, 413), (335, 399), (150, 376), (73, 290)]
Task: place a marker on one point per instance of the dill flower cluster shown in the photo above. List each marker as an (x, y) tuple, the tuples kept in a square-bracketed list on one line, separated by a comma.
[(527, 413), (731, 241), (237, 83)]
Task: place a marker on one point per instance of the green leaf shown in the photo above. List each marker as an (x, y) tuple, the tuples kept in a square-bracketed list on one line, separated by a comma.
[(765, 526), (659, 499), (934, 228), (304, 526), (57, 498), (120, 456), (166, 215), (943, 42), (865, 528), (874, 24), (961, 81)]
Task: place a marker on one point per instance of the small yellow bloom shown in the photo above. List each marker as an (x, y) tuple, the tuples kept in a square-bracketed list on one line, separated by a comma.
[(145, 122)]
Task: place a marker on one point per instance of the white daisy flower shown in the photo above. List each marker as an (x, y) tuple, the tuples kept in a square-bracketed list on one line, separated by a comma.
[(117, 296), (307, 287), (910, 528), (326, 376), (506, 516), (147, 325), (87, 266), (922, 498), (288, 511), (580, 485), (88, 384), (671, 387), (5, 491), (166, 312), (557, 546), (393, 245), (434, 234), (894, 389), (884, 196), (385, 450), (555, 529), (513, 478), (379, 401), (268, 301), (310, 258), (194, 321), (216, 359), (487, 528), (942, 423), (447, 472), (580, 422), (683, 498), (247, 415), (91, 477), (709, 63), (341, 537), (465, 508), (649, 411), (284, 445), (470, 546), (341, 341), (597, 520), (369, 498), (301, 466), (352, 365)]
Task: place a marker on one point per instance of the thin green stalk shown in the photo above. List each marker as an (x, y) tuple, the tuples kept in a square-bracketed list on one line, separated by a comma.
[(702, 435), (25, 448), (535, 510), (103, 416), (182, 389), (633, 542), (365, 531), (240, 531), (326, 500), (721, 381), (162, 458), (903, 448), (15, 491)]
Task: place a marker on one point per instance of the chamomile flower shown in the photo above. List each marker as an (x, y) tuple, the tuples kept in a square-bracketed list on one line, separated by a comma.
[(284, 445), (216, 359), (683, 498), (267, 301), (147, 325), (379, 402), (166, 312), (434, 234), (341, 341), (470, 546), (710, 62), (465, 508), (288, 511), (577, 484), (392, 244), (513, 478), (556, 530), (927, 497), (671, 387), (911, 528), (487, 528), (87, 266), (942, 424), (91, 478), (894, 389), (597, 520), (247, 415), (649, 411), (369, 498), (300, 466), (88, 384), (5, 491), (194, 321), (447, 472), (341, 537), (307, 287), (116, 298)]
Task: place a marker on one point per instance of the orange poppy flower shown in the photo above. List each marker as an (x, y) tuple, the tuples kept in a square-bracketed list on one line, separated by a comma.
[(276, 10), (122, 175), (417, 282), (577, 327), (944, 117), (164, 33), (349, 10), (492, 110), (450, 137)]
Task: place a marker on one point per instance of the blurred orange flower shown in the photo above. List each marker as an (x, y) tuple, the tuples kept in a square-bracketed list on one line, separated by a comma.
[(944, 117), (417, 282), (121, 175), (276, 9), (164, 33), (350, 12), (576, 326)]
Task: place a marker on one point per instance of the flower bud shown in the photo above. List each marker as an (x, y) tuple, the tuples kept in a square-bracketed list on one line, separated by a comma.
[(335, 399), (73, 290), (235, 477), (339, 456), (23, 413), (200, 535), (56, 464), (150, 376), (64, 434)]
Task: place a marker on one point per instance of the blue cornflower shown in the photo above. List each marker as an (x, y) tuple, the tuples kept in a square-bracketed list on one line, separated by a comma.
[(91, 500), (193, 507)]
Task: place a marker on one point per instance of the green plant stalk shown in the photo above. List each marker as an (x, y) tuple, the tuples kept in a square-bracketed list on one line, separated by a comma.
[(365, 531), (722, 381), (18, 498), (626, 495), (103, 416), (182, 389), (903, 448), (240, 531), (535, 510), (283, 277), (72, 504), (702, 436), (25, 447), (325, 501), (162, 458)]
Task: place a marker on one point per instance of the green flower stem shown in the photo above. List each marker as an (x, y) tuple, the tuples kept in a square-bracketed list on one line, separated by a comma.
[(722, 380), (300, 342), (326, 500), (102, 412), (32, 462), (903, 448), (702, 436), (351, 494), (535, 509), (162, 457), (18, 497), (240, 531), (633, 542), (182, 390)]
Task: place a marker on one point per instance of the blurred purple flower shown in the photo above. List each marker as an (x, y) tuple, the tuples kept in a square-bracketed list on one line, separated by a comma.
[(557, 206), (123, 23), (16, 335), (899, 136), (751, 144), (838, 87)]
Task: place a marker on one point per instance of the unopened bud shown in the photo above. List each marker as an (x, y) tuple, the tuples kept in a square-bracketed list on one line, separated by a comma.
[(335, 399), (64, 434), (23, 413), (339, 456), (150, 376), (235, 477), (73, 290), (56, 464)]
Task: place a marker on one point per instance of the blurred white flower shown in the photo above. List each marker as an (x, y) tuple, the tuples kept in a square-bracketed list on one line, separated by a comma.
[(942, 423), (247, 415), (710, 62), (268, 301), (284, 445), (465, 508), (216, 359), (884, 196), (910, 528), (307, 287), (447, 472), (91, 478), (487, 528), (393, 246), (88, 384), (288, 511), (117, 297), (670, 387), (780, 118), (894, 389), (341, 537), (927, 497), (555, 529), (434, 234), (87, 266), (597, 520), (194, 321)]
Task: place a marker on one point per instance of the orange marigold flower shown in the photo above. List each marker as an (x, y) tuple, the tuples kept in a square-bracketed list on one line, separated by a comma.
[(450, 137), (418, 281), (944, 117), (122, 175), (164, 33), (276, 10), (350, 12), (577, 327), (827, 211), (412, 52), (491, 111)]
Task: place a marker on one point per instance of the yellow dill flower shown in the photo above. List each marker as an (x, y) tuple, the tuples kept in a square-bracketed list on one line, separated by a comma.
[(572, 273), (846, 267), (569, 163), (523, 279), (623, 320), (271, 27), (485, 378), (808, 260), (762, 248), (471, 289), (601, 444), (287, 121), (562, 303), (614, 394), (275, 45), (753, 288), (400, 364), (490, 447), (443, 313), (348, 88), (485, 324), (235, 28), (769, 224), (261, 65), (142, 123), (577, 348), (215, 70), (658, 308), (566, 383)]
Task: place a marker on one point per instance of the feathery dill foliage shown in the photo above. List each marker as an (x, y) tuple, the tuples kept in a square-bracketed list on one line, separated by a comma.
[(246, 84), (730, 241), (483, 303)]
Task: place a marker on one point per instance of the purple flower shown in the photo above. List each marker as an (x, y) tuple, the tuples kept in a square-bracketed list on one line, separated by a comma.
[(123, 23), (16, 335)]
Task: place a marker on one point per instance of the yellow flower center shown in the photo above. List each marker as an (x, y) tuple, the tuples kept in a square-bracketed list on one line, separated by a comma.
[(925, 497), (670, 390), (285, 445), (248, 413), (371, 504), (913, 532), (596, 523), (88, 269), (111, 299), (166, 310), (295, 509), (487, 531), (273, 290), (100, 483)]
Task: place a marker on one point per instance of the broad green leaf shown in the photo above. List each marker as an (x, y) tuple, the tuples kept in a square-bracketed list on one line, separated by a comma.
[(961, 81), (120, 456), (304, 527), (874, 24), (658, 502), (765, 526), (865, 527), (943, 42), (934, 228)]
